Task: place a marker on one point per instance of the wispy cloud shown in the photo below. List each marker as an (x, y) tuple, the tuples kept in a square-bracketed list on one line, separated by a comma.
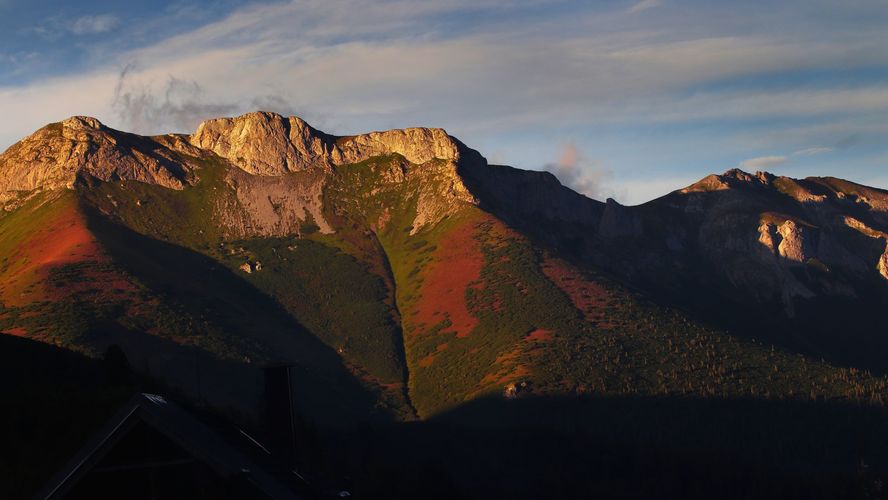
[(60, 27), (373, 64), (88, 25), (764, 162), (812, 151), (180, 105), (643, 5)]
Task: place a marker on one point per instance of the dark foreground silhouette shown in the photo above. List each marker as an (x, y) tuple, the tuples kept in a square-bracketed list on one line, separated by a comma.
[(593, 447)]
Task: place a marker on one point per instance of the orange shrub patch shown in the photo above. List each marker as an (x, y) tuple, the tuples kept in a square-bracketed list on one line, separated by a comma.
[(457, 266), (589, 298)]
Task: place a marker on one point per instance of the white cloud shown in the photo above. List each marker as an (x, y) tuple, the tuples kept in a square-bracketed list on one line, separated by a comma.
[(179, 106), (579, 173), (813, 151), (784, 104), (643, 5), (89, 25), (346, 60), (764, 162)]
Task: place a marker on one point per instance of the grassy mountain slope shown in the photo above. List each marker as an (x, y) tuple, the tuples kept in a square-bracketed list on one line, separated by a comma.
[(335, 296), (390, 285), (483, 307), (75, 279), (794, 262)]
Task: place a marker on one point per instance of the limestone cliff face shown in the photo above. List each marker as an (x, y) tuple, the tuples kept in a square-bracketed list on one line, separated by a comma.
[(55, 155), (282, 165), (270, 148), (269, 144), (769, 238), (883, 263), (441, 193), (417, 145), (862, 228), (265, 143), (783, 246), (273, 206), (797, 244), (793, 242)]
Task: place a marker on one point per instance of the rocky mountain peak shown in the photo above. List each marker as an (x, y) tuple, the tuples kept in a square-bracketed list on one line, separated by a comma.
[(264, 143), (267, 146), (82, 123), (260, 143), (54, 156), (738, 175), (734, 178)]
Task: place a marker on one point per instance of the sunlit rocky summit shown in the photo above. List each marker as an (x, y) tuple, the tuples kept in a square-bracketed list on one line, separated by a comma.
[(406, 276)]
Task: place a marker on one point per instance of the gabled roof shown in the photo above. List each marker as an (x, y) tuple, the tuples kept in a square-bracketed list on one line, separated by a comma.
[(180, 427)]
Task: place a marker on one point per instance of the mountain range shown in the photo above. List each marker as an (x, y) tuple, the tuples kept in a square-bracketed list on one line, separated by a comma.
[(404, 276)]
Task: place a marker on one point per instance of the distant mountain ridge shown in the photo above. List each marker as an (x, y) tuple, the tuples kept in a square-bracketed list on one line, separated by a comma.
[(406, 276)]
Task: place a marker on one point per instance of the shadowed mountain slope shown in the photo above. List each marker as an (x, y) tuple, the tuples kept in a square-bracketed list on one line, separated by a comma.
[(406, 276)]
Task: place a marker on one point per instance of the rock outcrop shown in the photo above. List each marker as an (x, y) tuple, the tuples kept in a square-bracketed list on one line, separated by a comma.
[(883, 263), (797, 243), (54, 156), (265, 143), (417, 145), (441, 193), (733, 178), (272, 148), (269, 144), (266, 148), (274, 206)]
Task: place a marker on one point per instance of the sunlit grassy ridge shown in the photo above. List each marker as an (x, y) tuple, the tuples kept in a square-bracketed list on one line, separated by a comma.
[(39, 260), (74, 293)]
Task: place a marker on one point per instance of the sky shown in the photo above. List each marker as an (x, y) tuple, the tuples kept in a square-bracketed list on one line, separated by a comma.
[(628, 99)]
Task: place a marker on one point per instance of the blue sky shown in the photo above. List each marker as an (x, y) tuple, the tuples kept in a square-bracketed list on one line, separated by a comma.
[(628, 99)]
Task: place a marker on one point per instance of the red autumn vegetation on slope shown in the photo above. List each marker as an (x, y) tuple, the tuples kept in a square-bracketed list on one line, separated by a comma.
[(458, 264)]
